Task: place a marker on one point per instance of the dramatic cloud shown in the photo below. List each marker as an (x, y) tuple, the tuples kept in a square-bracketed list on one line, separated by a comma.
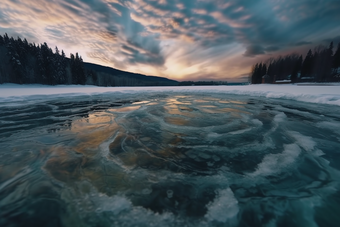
[(198, 39), (254, 50)]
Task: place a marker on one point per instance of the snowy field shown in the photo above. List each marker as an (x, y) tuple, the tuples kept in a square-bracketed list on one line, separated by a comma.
[(314, 94), (236, 156)]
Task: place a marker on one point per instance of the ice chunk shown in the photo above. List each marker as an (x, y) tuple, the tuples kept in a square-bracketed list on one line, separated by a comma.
[(305, 142), (114, 204), (224, 207), (213, 135), (280, 117), (240, 131), (257, 122), (274, 163)]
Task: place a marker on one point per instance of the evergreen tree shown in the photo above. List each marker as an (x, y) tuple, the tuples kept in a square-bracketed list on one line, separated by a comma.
[(336, 57), (2, 41), (259, 74), (263, 71), (270, 72), (77, 69), (336, 65), (253, 73), (6, 38), (80, 70), (296, 70), (307, 65), (60, 66), (18, 74), (73, 69), (322, 63), (23, 62), (328, 63)]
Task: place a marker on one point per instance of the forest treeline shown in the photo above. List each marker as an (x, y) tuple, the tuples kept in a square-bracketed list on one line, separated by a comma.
[(320, 65), (26, 63), (22, 62)]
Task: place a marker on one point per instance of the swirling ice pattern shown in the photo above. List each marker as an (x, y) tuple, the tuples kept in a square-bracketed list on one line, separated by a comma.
[(169, 160)]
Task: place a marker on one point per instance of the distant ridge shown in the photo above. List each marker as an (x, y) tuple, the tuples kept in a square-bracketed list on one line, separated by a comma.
[(133, 79)]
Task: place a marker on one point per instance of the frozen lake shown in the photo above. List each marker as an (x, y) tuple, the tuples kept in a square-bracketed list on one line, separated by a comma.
[(169, 159)]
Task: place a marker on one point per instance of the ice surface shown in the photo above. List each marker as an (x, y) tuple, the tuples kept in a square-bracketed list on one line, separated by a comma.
[(168, 158), (333, 126)]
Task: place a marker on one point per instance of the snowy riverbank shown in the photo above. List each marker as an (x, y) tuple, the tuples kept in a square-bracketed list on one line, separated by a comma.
[(313, 93)]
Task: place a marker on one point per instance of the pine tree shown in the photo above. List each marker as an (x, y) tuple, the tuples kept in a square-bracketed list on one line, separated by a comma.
[(264, 70), (307, 65), (60, 66), (259, 74), (253, 73), (80, 70), (328, 62), (2, 41), (73, 69), (336, 57), (336, 64), (296, 70), (15, 62), (6, 38)]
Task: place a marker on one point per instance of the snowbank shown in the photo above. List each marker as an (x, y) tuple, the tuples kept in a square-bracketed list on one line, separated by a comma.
[(314, 93)]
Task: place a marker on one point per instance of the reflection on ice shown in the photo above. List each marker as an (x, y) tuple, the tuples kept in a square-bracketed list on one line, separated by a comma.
[(169, 160), (124, 109)]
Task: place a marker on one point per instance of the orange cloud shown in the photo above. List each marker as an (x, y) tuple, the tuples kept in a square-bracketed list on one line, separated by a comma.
[(177, 39)]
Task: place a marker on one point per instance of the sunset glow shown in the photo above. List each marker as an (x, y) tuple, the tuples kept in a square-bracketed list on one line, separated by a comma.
[(181, 40)]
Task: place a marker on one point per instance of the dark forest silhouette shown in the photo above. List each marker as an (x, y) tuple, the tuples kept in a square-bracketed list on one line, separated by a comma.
[(320, 65), (26, 63)]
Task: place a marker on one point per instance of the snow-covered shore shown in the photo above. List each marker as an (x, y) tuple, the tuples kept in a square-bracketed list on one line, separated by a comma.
[(311, 93)]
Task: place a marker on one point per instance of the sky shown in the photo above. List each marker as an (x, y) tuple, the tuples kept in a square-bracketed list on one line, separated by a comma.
[(177, 39)]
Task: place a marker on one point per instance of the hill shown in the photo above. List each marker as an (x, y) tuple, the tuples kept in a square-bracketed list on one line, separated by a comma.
[(123, 78)]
